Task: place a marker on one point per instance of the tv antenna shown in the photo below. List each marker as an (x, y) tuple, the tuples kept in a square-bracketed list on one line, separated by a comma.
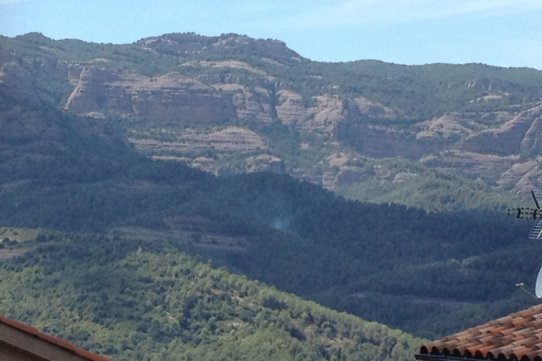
[(536, 234), (531, 213)]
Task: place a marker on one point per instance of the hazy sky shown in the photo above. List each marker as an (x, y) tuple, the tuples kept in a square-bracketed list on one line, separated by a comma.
[(496, 32)]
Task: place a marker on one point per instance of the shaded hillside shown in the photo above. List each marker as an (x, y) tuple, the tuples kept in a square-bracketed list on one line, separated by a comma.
[(39, 141), (147, 301), (300, 238), (232, 104)]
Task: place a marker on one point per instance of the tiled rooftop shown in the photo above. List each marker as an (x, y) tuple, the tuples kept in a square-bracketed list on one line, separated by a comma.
[(517, 336), (52, 340)]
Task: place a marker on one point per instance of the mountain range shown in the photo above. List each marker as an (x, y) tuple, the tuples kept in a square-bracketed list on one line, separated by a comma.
[(231, 104), (150, 143)]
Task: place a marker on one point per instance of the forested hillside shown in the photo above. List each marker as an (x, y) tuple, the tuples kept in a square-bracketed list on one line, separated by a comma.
[(300, 238), (147, 301)]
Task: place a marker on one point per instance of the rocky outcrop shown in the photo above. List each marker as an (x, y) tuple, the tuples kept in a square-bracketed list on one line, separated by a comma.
[(264, 163), (382, 141), (531, 144), (189, 44), (477, 145), (180, 100), (250, 104), (324, 113), (222, 140), (519, 135), (170, 98), (205, 164), (211, 100), (451, 129), (318, 114), (522, 176), (291, 109), (374, 110)]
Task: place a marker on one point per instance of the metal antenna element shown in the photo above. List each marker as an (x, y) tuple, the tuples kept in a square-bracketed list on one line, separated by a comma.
[(536, 232), (530, 213), (535, 201)]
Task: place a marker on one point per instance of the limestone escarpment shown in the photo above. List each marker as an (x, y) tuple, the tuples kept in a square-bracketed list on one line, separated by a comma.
[(519, 135), (171, 97), (478, 145), (230, 104)]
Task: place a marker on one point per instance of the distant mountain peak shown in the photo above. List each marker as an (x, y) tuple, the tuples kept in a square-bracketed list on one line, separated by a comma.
[(34, 37), (237, 45)]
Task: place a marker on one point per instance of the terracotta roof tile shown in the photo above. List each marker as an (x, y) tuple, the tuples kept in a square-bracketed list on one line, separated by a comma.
[(516, 336), (52, 340)]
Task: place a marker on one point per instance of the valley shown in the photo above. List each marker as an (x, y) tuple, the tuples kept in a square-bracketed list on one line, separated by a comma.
[(171, 196)]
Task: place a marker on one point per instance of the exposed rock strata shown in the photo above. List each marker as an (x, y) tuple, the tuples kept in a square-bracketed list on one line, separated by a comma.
[(212, 107), (171, 97), (476, 145)]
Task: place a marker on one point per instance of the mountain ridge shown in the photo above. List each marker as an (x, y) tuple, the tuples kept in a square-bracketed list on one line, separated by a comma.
[(169, 92)]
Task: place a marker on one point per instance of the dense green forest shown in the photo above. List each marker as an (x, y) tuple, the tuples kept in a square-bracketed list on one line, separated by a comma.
[(298, 237), (147, 301), (435, 192)]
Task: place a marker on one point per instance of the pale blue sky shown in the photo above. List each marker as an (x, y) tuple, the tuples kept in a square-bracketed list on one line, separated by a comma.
[(496, 32)]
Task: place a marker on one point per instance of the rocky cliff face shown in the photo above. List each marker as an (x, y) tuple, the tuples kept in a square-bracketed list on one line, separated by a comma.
[(171, 97), (505, 154), (217, 103)]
